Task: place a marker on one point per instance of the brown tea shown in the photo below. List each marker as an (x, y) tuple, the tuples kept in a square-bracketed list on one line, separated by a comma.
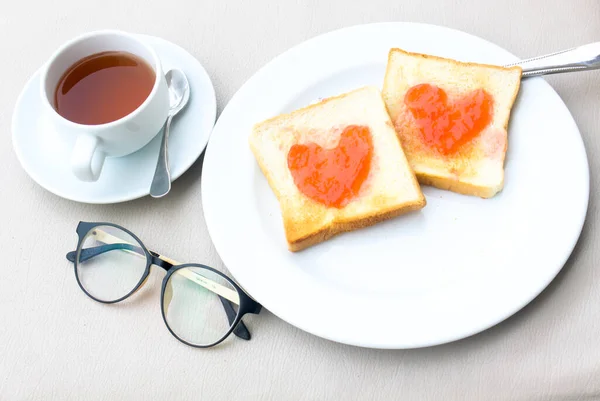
[(103, 87)]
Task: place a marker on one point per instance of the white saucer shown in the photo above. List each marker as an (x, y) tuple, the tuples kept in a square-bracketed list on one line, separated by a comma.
[(45, 156)]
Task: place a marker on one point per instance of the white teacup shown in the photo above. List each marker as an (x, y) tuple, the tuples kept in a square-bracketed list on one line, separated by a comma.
[(93, 143)]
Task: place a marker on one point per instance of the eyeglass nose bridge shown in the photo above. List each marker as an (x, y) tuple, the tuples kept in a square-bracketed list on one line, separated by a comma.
[(160, 261)]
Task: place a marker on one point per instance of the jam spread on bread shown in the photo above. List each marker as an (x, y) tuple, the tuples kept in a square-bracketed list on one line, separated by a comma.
[(333, 177), (448, 126)]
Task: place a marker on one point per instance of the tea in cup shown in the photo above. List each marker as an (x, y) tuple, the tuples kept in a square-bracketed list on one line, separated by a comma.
[(105, 91)]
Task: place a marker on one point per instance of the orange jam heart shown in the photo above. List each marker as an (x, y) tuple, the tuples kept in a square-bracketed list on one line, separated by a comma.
[(333, 177), (446, 127)]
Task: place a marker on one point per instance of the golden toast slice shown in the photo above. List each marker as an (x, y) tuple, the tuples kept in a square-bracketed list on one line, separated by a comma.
[(335, 166), (451, 118)]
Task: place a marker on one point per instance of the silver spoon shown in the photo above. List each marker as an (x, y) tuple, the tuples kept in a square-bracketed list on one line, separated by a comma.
[(582, 58), (179, 94)]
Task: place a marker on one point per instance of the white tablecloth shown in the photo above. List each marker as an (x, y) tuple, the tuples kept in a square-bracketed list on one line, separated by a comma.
[(57, 344)]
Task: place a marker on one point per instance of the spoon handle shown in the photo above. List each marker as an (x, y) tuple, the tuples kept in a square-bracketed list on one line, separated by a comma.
[(582, 58), (161, 183)]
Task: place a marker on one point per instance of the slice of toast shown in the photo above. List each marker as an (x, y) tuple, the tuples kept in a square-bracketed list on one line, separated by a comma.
[(474, 167), (389, 189)]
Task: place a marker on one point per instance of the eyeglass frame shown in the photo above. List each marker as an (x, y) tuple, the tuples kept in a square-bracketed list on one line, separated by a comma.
[(246, 303)]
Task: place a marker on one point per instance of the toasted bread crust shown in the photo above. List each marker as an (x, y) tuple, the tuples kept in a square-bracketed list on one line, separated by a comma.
[(326, 233), (304, 109), (459, 187), (455, 62)]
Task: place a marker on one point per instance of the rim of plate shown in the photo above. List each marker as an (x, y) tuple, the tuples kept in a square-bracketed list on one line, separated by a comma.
[(131, 195), (224, 250)]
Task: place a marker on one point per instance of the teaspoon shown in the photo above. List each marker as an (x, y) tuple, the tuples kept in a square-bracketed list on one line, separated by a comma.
[(179, 94)]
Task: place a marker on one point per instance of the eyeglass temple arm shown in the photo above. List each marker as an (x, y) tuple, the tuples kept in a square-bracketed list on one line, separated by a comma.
[(240, 330), (88, 253)]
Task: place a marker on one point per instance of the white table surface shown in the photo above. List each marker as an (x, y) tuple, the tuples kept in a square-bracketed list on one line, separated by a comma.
[(57, 344)]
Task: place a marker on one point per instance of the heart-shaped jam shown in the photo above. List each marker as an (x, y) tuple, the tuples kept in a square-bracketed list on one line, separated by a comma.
[(447, 126), (333, 177)]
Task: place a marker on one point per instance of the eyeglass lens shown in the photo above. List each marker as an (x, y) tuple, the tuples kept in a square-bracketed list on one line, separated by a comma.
[(110, 264), (199, 305)]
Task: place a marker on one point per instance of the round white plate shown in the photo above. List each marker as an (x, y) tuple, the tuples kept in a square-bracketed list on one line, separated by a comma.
[(459, 266), (45, 155)]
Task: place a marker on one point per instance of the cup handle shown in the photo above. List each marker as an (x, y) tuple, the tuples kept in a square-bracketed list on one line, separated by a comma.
[(87, 160)]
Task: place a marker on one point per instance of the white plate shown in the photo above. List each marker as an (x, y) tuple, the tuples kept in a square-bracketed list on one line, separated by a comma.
[(45, 155), (459, 266)]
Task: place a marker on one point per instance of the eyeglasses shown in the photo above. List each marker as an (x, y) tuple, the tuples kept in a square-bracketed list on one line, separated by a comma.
[(200, 305)]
